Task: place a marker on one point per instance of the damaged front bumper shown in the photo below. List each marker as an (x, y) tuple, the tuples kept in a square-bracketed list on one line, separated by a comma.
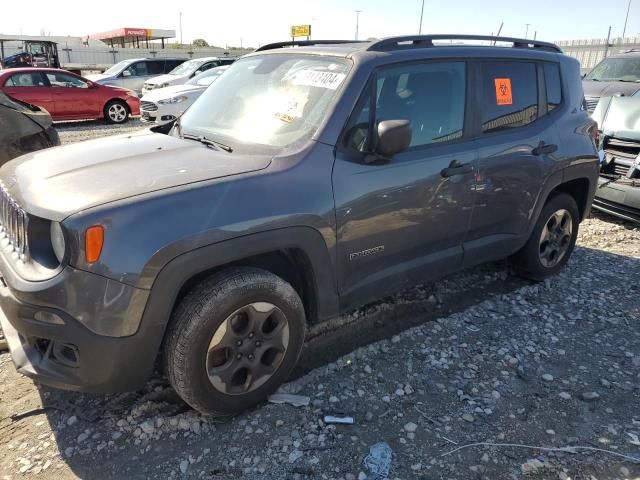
[(618, 196)]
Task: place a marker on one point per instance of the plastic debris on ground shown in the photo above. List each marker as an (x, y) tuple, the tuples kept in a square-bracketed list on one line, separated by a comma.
[(378, 462), (291, 399)]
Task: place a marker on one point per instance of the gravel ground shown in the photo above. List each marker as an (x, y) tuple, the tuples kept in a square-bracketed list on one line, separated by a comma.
[(480, 357), (71, 132)]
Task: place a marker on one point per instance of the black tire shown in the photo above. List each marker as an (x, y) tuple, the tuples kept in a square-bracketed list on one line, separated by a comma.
[(201, 314), (529, 262), (116, 112)]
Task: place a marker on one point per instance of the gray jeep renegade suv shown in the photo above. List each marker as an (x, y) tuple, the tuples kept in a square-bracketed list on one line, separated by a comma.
[(305, 182)]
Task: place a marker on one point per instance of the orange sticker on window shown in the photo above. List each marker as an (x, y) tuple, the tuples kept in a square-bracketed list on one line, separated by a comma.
[(503, 91)]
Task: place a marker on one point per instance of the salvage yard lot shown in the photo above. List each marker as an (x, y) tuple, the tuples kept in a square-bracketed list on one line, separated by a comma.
[(480, 357)]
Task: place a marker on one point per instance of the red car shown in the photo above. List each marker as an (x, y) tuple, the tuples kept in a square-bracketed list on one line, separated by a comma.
[(67, 96)]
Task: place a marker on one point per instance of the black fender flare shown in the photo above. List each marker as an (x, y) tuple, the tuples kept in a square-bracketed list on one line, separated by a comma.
[(585, 169), (174, 275)]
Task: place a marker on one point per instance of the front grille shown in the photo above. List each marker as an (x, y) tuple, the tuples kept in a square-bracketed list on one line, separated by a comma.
[(148, 106), (621, 157), (591, 103), (620, 169), (13, 223)]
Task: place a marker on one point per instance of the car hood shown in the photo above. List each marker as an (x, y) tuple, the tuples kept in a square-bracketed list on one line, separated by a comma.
[(608, 89), (166, 78), (168, 92), (619, 117), (58, 182), (99, 76)]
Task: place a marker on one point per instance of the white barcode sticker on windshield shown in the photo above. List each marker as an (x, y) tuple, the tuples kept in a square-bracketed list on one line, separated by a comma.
[(315, 78)]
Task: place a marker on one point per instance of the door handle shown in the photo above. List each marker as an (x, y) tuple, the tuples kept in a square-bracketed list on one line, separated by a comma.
[(456, 168), (544, 149)]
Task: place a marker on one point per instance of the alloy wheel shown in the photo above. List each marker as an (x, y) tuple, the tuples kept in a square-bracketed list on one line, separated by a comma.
[(117, 113), (555, 238), (247, 348)]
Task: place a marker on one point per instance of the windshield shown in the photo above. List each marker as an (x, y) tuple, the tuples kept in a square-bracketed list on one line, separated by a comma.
[(274, 100), (117, 67), (616, 69), (186, 67), (205, 79)]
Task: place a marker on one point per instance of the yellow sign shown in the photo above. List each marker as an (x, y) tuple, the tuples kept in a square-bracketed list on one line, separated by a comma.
[(301, 31)]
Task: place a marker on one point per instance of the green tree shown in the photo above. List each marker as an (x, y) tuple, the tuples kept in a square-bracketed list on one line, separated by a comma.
[(200, 43)]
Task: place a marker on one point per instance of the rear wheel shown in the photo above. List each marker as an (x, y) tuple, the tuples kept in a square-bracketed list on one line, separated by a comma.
[(233, 340), (116, 111), (552, 240)]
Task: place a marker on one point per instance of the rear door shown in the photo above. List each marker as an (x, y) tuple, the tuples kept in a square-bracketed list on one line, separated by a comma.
[(170, 64), (31, 87), (516, 145), (403, 221), (72, 96)]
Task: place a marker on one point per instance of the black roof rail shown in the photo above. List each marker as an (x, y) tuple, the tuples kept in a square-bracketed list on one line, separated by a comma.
[(422, 41), (303, 43)]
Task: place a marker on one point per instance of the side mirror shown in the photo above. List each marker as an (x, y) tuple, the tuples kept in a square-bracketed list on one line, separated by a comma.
[(394, 136), (126, 73)]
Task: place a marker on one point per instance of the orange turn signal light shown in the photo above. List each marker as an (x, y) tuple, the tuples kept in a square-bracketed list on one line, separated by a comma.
[(93, 240)]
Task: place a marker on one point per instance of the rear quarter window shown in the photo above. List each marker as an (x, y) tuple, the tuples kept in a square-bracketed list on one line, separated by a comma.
[(553, 85), (509, 95)]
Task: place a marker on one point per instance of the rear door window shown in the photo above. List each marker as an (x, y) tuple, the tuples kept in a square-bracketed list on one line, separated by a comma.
[(171, 64), (509, 95), (155, 67), (31, 79)]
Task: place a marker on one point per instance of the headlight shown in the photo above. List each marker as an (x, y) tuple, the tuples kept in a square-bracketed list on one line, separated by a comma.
[(173, 100), (57, 241)]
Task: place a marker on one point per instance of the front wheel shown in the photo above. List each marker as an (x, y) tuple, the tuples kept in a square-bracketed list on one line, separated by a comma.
[(552, 240), (233, 340), (116, 111)]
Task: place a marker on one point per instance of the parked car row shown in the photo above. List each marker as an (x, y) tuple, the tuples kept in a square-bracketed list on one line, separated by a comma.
[(164, 105), (112, 95)]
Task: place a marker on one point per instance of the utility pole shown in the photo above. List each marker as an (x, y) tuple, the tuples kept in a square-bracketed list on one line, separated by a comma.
[(526, 33), (357, 21), (180, 28), (624, 30), (606, 47), (421, 15)]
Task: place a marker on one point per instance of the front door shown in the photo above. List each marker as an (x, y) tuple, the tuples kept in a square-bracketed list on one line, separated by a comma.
[(72, 96), (403, 221)]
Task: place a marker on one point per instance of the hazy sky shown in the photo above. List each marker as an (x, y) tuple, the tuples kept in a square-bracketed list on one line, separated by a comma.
[(258, 22)]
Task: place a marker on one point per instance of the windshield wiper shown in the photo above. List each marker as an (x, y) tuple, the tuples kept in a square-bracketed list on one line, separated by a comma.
[(208, 142)]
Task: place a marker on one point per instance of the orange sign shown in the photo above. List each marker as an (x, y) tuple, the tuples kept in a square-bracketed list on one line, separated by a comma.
[(503, 91)]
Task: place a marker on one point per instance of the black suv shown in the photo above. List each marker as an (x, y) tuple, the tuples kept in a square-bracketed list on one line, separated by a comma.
[(305, 182)]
